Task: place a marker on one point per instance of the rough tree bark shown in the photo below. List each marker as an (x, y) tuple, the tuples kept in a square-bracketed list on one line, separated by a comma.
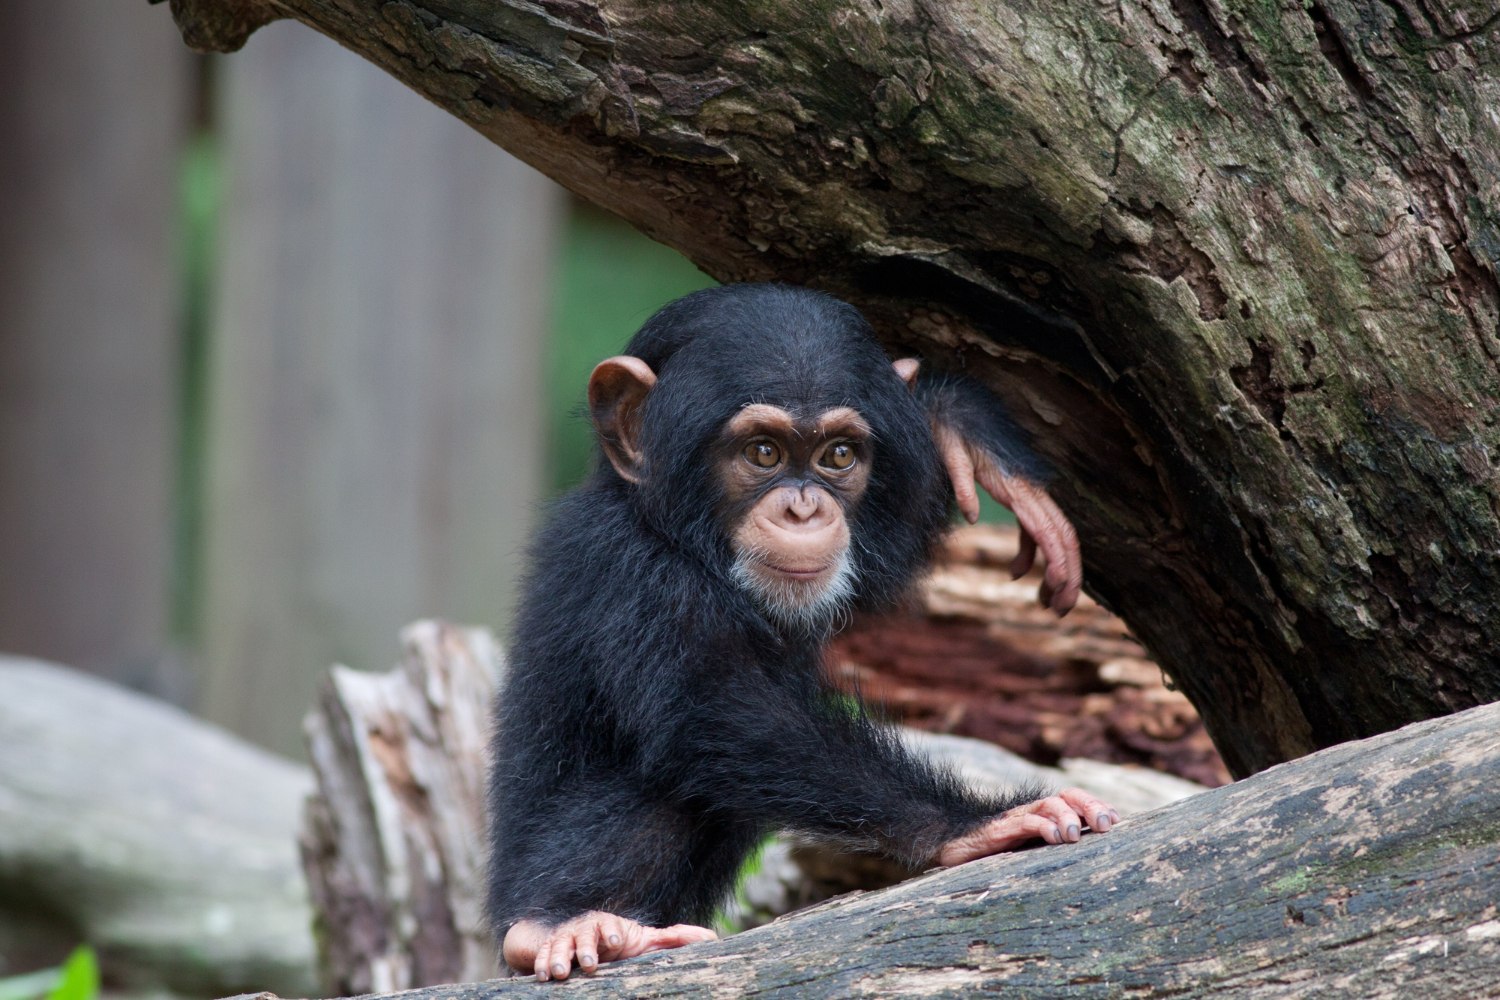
[(1234, 261), (1367, 870)]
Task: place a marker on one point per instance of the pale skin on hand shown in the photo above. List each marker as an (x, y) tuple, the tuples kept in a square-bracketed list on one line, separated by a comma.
[(1057, 819), (1042, 522), (589, 938)]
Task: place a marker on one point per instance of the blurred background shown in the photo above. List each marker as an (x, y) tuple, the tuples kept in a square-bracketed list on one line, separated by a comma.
[(288, 358)]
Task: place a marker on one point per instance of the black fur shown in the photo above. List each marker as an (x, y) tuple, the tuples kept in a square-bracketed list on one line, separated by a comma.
[(970, 408), (655, 723)]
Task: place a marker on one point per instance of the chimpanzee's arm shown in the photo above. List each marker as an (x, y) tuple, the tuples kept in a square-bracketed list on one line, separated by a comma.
[(978, 441), (795, 757), (967, 407)]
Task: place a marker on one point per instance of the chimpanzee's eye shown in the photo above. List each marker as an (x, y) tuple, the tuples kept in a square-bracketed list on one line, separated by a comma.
[(763, 454), (838, 456)]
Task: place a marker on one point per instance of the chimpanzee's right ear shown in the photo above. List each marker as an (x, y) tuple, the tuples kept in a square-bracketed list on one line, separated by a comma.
[(617, 389)]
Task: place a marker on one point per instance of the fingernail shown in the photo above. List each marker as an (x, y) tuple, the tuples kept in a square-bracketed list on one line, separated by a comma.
[(1056, 835), (614, 939), (558, 969), (1073, 833), (586, 959), (1101, 824)]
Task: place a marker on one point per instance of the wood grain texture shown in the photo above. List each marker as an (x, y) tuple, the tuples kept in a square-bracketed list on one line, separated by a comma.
[(977, 655), (393, 843)]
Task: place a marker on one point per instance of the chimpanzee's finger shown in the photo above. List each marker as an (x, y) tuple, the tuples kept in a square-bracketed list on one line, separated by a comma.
[(561, 962), (543, 963), (1025, 556), (1051, 530), (676, 936), (1057, 809), (1100, 814), (960, 466), (612, 937), (586, 944)]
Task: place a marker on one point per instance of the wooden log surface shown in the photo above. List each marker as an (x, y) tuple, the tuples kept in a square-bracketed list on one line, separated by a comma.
[(392, 843), (1369, 869), (976, 655)]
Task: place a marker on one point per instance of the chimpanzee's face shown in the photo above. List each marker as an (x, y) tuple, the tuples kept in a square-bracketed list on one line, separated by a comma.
[(789, 481), (764, 431)]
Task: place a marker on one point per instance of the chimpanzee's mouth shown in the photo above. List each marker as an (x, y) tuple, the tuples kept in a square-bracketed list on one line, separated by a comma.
[(799, 573)]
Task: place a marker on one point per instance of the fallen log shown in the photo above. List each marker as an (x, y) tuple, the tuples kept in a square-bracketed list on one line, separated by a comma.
[(975, 654), (1369, 869), (162, 841)]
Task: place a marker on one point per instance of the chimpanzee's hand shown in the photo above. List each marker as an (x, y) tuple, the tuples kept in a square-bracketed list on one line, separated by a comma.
[(591, 938), (1042, 522), (1056, 819)]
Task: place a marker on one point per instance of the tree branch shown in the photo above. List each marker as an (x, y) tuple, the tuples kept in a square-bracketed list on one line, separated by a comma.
[(1234, 264)]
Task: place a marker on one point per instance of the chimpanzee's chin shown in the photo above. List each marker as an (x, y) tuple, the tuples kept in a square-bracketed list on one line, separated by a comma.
[(809, 604)]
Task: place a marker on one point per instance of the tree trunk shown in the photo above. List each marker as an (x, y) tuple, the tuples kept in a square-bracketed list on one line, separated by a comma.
[(1367, 870), (1234, 262), (392, 840)]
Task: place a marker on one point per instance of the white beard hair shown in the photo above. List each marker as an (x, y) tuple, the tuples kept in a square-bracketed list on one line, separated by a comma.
[(788, 603)]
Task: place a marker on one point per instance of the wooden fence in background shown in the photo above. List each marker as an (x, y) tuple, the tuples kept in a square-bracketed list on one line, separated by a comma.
[(369, 428)]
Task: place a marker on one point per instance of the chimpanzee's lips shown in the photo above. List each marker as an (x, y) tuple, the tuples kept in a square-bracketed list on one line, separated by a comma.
[(799, 573)]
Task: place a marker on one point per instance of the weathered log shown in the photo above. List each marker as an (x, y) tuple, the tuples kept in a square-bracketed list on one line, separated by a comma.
[(1238, 259), (795, 873), (976, 655), (166, 843), (392, 843), (1370, 869)]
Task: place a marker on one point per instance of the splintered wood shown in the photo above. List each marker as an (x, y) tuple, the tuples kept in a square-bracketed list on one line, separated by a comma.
[(978, 656), (392, 840)]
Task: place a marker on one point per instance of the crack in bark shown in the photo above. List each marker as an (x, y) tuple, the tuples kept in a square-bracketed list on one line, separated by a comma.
[(1168, 254), (1223, 46), (1258, 384), (1334, 45)]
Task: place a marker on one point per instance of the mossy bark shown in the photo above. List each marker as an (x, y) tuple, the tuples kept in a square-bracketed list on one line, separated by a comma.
[(1234, 261)]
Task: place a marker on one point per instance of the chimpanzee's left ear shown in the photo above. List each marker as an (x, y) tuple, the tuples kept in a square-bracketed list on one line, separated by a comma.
[(617, 388), (907, 369)]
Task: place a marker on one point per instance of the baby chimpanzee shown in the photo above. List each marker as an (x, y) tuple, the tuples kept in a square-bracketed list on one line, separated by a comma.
[(767, 470)]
